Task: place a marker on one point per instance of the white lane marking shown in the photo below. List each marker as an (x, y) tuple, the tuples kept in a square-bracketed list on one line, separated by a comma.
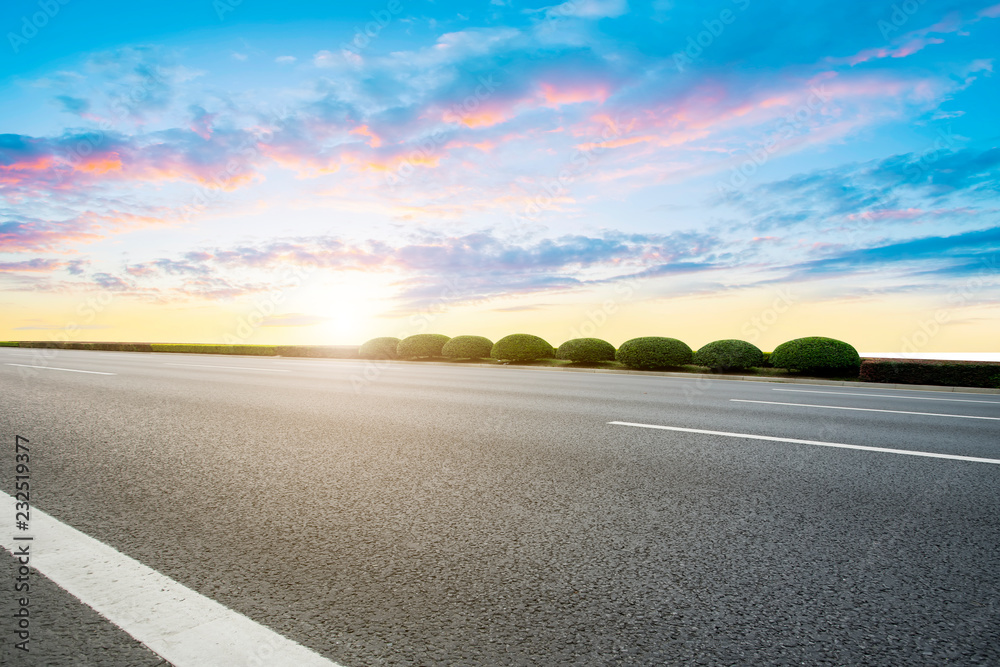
[(908, 398), (182, 626), (53, 368), (840, 407), (933, 455), (241, 368)]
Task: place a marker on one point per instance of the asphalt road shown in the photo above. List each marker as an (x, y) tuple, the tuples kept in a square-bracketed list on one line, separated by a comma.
[(431, 515)]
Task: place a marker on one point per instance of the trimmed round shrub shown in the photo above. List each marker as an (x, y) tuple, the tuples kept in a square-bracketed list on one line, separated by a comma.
[(729, 354), (653, 352), (586, 350), (467, 347), (379, 348), (421, 345), (521, 347), (816, 355)]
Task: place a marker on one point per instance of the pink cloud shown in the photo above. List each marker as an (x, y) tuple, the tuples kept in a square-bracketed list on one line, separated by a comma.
[(485, 146), (990, 12), (915, 45), (617, 143), (888, 214), (496, 110), (141, 271), (305, 163), (912, 213), (485, 116), (201, 123), (25, 169), (952, 22), (373, 139), (37, 265), (917, 40), (396, 160), (439, 211), (100, 164), (88, 226), (37, 164), (553, 96), (36, 236), (910, 47)]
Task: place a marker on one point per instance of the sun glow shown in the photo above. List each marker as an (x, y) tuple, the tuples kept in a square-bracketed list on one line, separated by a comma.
[(347, 303)]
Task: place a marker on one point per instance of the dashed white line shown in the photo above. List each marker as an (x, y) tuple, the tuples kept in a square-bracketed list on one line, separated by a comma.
[(240, 368), (908, 398), (53, 368), (841, 407), (750, 436), (182, 626)]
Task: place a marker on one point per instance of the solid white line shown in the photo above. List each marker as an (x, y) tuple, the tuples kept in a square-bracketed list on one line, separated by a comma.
[(840, 407), (908, 398), (932, 455), (241, 368), (182, 626), (53, 368)]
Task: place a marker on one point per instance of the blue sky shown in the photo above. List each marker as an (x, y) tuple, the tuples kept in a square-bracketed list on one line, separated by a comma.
[(599, 167)]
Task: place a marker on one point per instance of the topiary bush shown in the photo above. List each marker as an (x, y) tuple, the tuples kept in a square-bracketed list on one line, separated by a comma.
[(467, 347), (586, 350), (817, 355), (521, 347), (421, 345), (729, 354), (653, 352), (379, 348)]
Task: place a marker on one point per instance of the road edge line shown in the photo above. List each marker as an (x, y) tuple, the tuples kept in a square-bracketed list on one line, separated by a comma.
[(182, 626)]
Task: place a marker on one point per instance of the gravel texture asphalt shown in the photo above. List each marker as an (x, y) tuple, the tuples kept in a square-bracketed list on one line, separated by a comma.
[(408, 515)]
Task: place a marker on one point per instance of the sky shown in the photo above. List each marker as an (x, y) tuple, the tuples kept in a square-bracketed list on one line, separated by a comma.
[(323, 173)]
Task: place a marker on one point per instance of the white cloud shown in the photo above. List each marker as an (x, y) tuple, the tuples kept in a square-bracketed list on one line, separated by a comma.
[(285, 60), (589, 9), (324, 58)]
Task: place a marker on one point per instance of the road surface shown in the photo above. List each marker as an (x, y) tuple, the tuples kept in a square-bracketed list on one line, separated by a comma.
[(431, 515)]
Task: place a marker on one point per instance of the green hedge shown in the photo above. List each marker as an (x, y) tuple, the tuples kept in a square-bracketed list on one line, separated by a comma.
[(654, 352), (200, 348), (729, 354), (816, 355), (195, 348), (107, 347), (586, 350), (932, 372), (325, 351), (319, 351), (522, 347), (379, 348), (467, 347), (421, 345)]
